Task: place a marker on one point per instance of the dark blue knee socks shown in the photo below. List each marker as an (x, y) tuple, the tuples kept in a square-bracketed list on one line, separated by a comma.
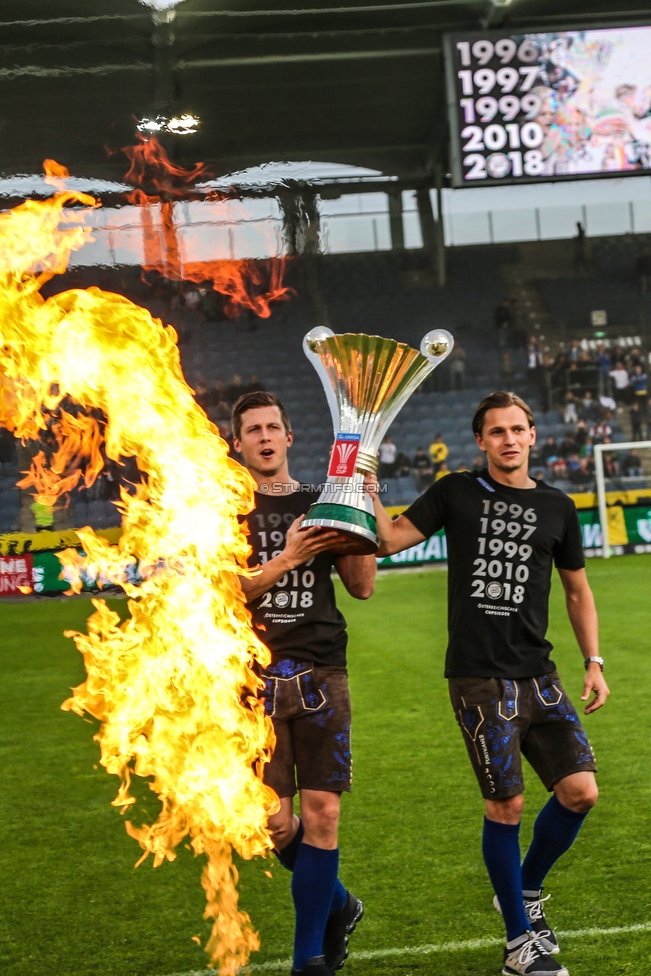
[(501, 849), (313, 885), (287, 857), (554, 832)]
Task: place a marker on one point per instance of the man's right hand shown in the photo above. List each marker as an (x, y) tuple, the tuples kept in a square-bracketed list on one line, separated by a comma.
[(301, 545)]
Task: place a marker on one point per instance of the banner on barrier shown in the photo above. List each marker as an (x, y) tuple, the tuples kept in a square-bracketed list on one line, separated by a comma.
[(15, 575)]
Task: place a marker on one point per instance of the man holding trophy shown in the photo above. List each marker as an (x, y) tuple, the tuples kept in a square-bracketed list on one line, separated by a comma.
[(292, 603), (504, 531)]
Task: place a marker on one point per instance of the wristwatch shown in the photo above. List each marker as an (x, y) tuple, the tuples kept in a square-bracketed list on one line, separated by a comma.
[(597, 660)]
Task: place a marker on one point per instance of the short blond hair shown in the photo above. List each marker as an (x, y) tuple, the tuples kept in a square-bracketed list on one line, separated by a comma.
[(499, 400)]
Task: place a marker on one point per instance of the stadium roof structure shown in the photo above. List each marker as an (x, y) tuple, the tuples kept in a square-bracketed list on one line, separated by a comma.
[(357, 83)]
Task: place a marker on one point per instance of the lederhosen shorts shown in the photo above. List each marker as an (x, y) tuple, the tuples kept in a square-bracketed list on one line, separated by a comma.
[(310, 708), (502, 720)]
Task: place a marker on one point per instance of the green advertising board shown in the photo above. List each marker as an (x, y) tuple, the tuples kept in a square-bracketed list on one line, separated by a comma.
[(629, 530)]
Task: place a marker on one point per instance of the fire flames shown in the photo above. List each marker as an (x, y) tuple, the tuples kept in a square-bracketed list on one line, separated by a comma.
[(172, 685), (158, 184)]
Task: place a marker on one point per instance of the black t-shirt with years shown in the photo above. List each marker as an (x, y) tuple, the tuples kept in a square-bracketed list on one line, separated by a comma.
[(298, 616), (501, 544)]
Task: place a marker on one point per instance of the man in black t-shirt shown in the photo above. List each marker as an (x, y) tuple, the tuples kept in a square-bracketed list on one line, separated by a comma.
[(504, 531), (293, 609)]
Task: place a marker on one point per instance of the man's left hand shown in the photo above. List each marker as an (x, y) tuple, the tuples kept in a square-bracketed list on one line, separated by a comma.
[(594, 682)]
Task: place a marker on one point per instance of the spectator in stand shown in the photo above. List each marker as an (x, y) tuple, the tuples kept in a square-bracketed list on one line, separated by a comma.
[(534, 360), (201, 393), (43, 516), (388, 452), (632, 465), (544, 383), (568, 445), (580, 261), (603, 360), (586, 449), (640, 391), (622, 384), (457, 367), (573, 463), (569, 410), (600, 432), (635, 357), (192, 299), (550, 450), (479, 463), (442, 471), (518, 336), (227, 435), (581, 432), (463, 467), (582, 476), (235, 389), (507, 370), (636, 422), (402, 466), (589, 410), (218, 392), (611, 465), (423, 470), (559, 370), (438, 451), (503, 322), (575, 349), (643, 267), (222, 407), (254, 385)]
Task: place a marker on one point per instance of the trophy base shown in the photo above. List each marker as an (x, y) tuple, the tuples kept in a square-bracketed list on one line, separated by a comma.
[(357, 526)]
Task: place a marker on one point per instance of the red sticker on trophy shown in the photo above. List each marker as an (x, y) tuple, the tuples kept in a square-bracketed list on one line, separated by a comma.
[(344, 456)]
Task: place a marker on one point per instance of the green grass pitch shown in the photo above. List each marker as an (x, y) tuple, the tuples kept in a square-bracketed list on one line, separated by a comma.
[(73, 905)]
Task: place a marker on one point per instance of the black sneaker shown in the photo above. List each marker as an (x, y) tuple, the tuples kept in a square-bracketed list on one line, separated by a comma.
[(533, 906), (527, 956), (340, 925), (313, 967)]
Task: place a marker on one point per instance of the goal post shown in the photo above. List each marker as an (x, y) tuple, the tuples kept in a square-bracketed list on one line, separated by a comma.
[(599, 451)]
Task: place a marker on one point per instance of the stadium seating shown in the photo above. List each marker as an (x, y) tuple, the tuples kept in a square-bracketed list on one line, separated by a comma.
[(387, 293)]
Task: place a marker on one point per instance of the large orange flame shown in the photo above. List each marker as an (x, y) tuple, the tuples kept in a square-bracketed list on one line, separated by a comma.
[(172, 685), (159, 182)]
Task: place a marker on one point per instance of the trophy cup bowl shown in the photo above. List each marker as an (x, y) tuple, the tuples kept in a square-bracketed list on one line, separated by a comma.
[(367, 380)]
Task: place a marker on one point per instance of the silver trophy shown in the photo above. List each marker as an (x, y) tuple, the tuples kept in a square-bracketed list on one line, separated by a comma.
[(367, 380)]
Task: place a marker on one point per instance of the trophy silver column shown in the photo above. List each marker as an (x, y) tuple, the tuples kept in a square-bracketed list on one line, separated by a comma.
[(367, 380)]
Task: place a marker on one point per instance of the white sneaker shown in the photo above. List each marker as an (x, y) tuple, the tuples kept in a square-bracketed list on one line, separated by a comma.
[(527, 956), (533, 906)]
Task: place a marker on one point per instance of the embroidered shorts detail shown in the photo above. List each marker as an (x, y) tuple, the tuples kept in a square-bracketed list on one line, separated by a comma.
[(310, 709), (503, 720)]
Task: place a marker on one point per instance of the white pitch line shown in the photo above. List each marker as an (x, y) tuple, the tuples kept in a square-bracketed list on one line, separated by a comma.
[(428, 950)]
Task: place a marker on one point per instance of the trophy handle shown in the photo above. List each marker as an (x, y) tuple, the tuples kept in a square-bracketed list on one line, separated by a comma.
[(437, 346), (309, 341)]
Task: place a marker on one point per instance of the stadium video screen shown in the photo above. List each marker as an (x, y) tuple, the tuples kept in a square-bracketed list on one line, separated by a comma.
[(564, 104)]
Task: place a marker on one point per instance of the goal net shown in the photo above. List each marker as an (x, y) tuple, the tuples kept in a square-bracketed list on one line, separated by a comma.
[(623, 477)]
